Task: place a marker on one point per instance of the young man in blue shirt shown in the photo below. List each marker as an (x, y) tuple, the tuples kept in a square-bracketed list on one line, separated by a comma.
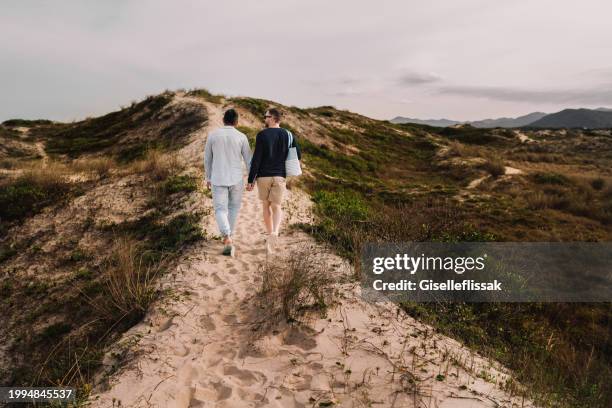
[(225, 150)]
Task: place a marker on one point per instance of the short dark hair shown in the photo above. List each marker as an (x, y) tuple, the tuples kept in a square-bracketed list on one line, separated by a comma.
[(275, 113), (230, 117)]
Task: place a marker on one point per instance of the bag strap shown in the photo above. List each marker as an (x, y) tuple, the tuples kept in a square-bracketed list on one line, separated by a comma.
[(290, 137)]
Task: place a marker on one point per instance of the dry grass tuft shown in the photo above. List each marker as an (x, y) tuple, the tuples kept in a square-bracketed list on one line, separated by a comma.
[(157, 166), (494, 166), (296, 289), (45, 175), (130, 281), (458, 149), (101, 166)]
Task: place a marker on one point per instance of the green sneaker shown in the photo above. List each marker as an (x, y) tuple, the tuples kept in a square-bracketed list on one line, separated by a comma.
[(229, 250)]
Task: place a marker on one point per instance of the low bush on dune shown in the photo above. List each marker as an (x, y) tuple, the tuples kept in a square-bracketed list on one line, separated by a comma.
[(206, 95), (32, 191), (256, 106), (295, 290), (494, 166)]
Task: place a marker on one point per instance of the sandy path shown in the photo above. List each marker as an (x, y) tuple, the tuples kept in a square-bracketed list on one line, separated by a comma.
[(193, 153), (200, 350), (40, 148), (508, 171)]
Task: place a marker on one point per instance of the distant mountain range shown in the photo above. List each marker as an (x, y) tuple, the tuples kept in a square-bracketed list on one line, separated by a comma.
[(568, 118)]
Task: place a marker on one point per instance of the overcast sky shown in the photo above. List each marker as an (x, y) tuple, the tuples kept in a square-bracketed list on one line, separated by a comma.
[(458, 59)]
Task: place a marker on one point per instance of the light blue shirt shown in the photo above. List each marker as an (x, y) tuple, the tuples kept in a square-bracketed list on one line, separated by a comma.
[(225, 150)]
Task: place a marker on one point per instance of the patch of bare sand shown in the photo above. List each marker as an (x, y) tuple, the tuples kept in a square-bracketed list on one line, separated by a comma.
[(523, 137), (508, 171)]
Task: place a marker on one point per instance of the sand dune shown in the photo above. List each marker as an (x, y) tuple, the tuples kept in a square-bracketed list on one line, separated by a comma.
[(202, 348)]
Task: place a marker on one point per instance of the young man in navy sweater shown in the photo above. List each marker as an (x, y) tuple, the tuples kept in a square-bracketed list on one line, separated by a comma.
[(268, 170)]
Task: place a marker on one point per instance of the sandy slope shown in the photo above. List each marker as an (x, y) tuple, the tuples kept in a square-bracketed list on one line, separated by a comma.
[(199, 349)]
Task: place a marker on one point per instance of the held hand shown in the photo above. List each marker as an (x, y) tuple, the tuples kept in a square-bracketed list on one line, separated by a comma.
[(249, 187), (208, 185)]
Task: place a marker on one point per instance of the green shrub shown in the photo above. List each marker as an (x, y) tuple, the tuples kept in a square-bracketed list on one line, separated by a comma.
[(550, 178), (176, 184), (257, 107), (26, 122), (598, 183), (472, 135), (344, 205), (206, 95), (327, 111), (30, 193), (181, 230), (163, 237), (55, 330), (250, 133)]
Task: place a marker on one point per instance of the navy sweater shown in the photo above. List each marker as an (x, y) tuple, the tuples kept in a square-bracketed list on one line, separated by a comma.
[(271, 148)]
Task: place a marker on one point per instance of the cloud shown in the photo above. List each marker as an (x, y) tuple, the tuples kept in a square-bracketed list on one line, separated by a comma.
[(347, 85), (592, 95), (352, 85), (69, 59), (348, 92), (416, 78)]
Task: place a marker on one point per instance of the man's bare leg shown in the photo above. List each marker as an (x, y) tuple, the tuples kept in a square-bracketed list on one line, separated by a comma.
[(277, 217), (267, 216)]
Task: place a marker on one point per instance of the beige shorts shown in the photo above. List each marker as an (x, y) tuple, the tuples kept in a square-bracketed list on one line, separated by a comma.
[(271, 189)]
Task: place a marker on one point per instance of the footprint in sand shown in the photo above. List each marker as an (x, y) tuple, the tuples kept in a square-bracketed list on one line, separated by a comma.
[(298, 337), (233, 271), (223, 391), (182, 397), (181, 350), (245, 376), (207, 323), (217, 279), (230, 352), (203, 397), (164, 324), (213, 362), (230, 319), (186, 374), (184, 391)]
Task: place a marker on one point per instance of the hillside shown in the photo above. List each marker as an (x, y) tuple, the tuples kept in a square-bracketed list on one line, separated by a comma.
[(509, 122), (485, 123), (576, 118), (117, 203), (600, 118), (429, 122)]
